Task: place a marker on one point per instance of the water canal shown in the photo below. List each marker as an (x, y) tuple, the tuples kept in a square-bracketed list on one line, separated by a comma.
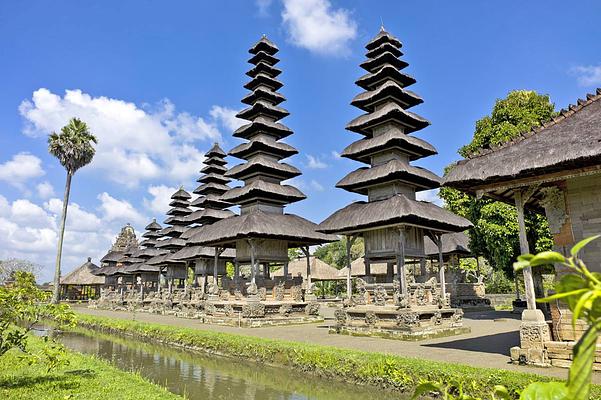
[(199, 376)]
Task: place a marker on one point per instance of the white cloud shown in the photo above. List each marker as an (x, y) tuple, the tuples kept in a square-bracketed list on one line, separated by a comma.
[(430, 196), (45, 190), (587, 75), (316, 185), (119, 210), (26, 213), (227, 117), (21, 168), (134, 143), (314, 162), (77, 218), (336, 155), (263, 6), (316, 26), (161, 196)]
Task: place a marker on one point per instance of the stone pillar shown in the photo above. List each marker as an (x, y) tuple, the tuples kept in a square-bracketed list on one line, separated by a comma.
[(528, 281), (285, 271), (367, 266), (309, 290), (389, 272), (215, 264), (236, 271)]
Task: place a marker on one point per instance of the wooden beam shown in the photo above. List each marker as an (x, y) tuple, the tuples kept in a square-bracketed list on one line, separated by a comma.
[(401, 263), (305, 250), (528, 281), (443, 288)]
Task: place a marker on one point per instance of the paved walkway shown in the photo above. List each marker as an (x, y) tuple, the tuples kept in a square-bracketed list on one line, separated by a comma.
[(493, 334)]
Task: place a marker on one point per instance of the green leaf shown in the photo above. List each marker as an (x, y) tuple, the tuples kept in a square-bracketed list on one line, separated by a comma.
[(546, 391), (581, 371), (578, 246), (561, 295), (520, 265), (426, 387), (501, 392), (525, 257), (547, 257), (586, 297)]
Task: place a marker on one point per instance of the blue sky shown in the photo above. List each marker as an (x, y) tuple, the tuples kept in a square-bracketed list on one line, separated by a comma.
[(158, 82)]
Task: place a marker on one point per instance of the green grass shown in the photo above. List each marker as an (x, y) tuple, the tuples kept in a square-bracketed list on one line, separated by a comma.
[(85, 377), (382, 370)]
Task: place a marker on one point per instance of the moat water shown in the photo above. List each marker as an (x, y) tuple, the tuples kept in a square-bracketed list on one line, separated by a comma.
[(197, 376)]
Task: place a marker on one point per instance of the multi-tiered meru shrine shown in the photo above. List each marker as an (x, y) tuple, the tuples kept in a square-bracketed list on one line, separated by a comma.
[(262, 233), (392, 222)]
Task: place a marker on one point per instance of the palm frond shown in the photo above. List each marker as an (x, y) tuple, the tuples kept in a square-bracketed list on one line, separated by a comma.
[(73, 146)]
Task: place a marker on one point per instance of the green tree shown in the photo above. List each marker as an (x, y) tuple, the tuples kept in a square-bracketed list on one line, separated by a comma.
[(22, 306), (74, 148), (9, 267), (495, 233), (335, 253)]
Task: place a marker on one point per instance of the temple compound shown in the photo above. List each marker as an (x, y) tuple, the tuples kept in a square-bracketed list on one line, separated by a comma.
[(555, 170), (110, 264), (392, 222), (262, 233)]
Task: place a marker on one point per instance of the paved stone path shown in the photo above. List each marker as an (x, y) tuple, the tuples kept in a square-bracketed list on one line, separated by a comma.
[(493, 334)]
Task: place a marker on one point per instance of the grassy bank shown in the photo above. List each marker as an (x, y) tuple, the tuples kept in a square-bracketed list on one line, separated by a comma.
[(85, 377), (352, 366)]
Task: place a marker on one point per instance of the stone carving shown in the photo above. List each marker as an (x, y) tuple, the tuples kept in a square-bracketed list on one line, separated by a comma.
[(555, 208), (253, 309), (380, 295), (285, 309), (224, 294), (410, 319), (371, 318), (436, 318), (228, 310), (340, 316), (210, 308), (420, 296), (297, 293), (312, 308), (278, 291), (252, 289), (262, 294), (238, 294), (534, 334), (457, 316), (402, 301)]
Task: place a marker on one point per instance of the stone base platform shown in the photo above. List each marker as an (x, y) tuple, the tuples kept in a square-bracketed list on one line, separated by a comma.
[(252, 314), (392, 322), (470, 304)]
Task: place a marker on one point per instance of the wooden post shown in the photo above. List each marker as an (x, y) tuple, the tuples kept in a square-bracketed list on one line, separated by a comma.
[(305, 249), (349, 283), (215, 263), (443, 286), (285, 271), (367, 266), (400, 262), (389, 272), (528, 281), (253, 271), (236, 271)]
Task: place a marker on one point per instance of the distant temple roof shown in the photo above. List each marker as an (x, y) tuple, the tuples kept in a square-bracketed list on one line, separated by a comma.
[(83, 275)]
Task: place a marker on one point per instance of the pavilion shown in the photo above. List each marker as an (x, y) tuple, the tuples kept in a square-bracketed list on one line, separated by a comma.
[(555, 170), (263, 233), (392, 222), (82, 283)]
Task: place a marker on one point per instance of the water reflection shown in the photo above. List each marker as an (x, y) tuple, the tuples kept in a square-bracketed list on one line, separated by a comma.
[(213, 378)]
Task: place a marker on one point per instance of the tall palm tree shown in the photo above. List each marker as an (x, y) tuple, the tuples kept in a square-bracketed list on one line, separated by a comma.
[(74, 148)]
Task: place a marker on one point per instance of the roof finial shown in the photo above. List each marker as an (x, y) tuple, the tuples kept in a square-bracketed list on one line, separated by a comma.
[(382, 24)]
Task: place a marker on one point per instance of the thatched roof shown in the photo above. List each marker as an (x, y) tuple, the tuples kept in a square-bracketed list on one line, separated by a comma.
[(264, 45), (383, 37), (265, 68), (112, 256), (452, 243), (391, 111), (191, 252), (83, 275), (363, 149), (387, 71), (397, 209), (263, 165), (262, 143), (274, 192), (263, 125), (259, 224), (263, 93), (367, 100), (320, 271), (361, 179), (215, 151), (386, 57), (358, 268), (570, 142)]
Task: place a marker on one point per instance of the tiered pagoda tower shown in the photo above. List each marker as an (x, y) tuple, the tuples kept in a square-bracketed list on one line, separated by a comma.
[(149, 274), (262, 233), (178, 224), (211, 208), (392, 222)]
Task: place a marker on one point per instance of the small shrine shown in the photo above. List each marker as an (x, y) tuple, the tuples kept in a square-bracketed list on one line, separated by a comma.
[(263, 232), (392, 222)]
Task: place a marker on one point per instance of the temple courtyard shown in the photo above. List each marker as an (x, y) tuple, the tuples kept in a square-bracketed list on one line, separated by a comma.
[(492, 334)]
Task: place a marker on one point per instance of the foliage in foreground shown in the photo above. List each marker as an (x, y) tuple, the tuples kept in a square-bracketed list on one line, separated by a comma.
[(382, 370), (86, 377), (22, 306)]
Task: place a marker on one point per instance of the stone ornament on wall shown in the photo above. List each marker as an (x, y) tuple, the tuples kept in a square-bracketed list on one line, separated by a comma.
[(555, 208)]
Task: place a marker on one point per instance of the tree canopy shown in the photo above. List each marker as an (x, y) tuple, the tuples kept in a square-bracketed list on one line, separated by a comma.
[(495, 233), (334, 253)]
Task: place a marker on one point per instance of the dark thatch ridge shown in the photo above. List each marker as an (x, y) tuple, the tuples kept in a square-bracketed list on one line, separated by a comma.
[(387, 71), (393, 170), (395, 210), (258, 224), (391, 111), (264, 189), (265, 144), (452, 243), (571, 141), (194, 252), (112, 256), (85, 274), (361, 150), (264, 164), (368, 100)]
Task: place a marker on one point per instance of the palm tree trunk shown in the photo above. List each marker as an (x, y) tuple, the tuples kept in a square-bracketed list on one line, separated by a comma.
[(61, 234)]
